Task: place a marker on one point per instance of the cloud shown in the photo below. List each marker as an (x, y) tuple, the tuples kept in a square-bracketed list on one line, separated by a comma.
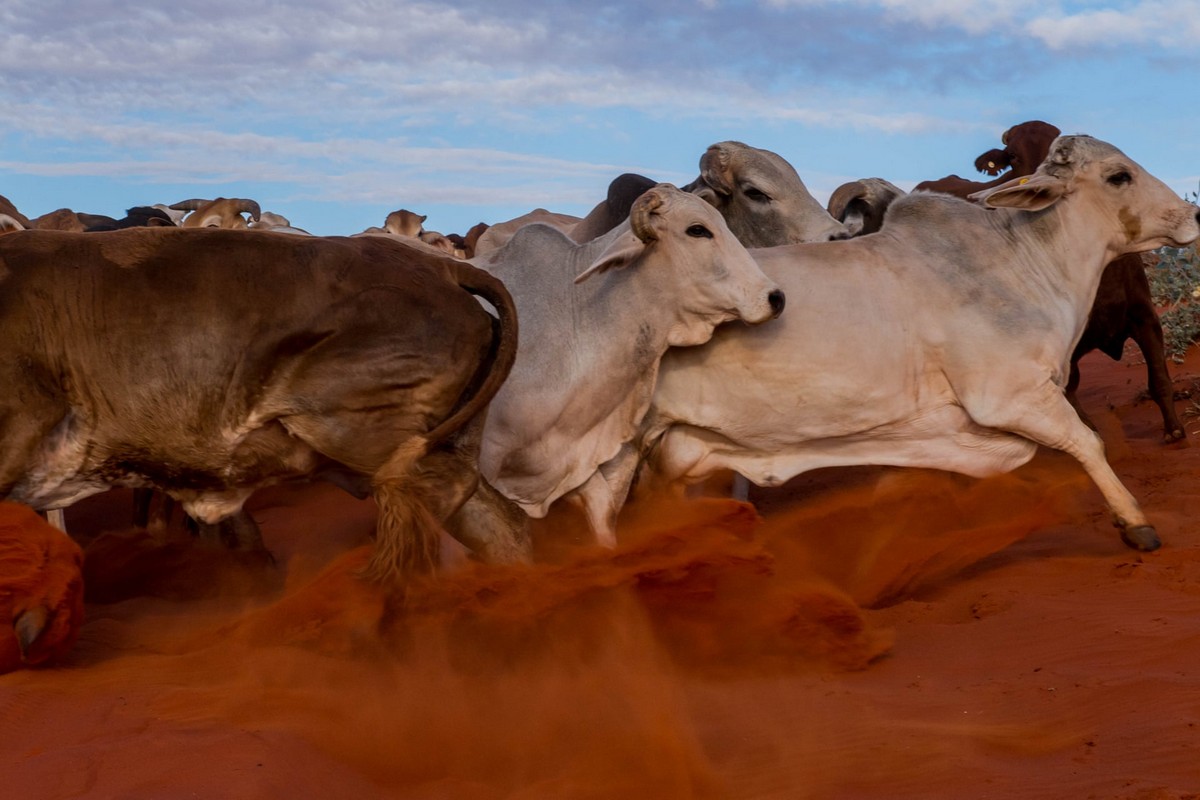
[(1055, 23), (1166, 23)]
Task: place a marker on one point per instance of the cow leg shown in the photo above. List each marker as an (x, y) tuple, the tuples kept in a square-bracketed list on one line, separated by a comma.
[(418, 493), (1043, 415), (1146, 330), (484, 521), (237, 532), (492, 527), (141, 507), (1072, 398), (58, 518), (603, 494), (152, 509)]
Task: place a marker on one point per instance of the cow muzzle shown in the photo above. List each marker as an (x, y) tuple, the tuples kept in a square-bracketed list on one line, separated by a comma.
[(776, 299)]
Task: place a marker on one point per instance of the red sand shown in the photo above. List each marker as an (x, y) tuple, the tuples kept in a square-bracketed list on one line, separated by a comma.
[(877, 634)]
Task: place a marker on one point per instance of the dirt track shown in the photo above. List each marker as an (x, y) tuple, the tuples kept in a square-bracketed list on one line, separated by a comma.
[(879, 634)]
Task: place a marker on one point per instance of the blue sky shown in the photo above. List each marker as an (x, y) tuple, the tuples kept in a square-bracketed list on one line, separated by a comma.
[(335, 112)]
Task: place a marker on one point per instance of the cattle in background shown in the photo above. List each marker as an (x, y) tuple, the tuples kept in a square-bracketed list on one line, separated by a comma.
[(760, 195), (861, 204), (610, 212), (496, 236), (223, 212), (136, 217), (471, 238), (9, 224), (208, 364), (1025, 146), (596, 319), (1123, 308), (942, 341), (276, 223), (64, 219), (10, 210)]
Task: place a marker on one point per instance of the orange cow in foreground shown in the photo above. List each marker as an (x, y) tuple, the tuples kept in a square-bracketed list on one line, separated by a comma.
[(41, 589)]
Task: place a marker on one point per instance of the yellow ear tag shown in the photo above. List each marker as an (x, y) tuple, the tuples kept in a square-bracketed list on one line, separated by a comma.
[(1023, 181)]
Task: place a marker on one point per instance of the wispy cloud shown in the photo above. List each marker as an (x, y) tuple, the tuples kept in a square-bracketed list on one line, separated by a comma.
[(509, 98)]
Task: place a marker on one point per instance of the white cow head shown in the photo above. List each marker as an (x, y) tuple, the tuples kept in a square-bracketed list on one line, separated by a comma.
[(762, 198), (1142, 212), (682, 247)]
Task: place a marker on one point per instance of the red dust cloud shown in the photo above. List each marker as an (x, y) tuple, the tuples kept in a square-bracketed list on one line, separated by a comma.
[(865, 632)]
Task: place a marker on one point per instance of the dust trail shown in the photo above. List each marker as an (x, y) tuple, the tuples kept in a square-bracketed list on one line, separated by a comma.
[(590, 674)]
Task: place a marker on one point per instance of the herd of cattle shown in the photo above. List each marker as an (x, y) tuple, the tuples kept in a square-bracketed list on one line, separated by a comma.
[(470, 383)]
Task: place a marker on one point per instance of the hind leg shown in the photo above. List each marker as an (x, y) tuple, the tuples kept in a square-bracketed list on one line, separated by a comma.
[(1146, 330), (492, 527)]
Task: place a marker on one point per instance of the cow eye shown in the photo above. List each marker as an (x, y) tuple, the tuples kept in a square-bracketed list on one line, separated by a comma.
[(1120, 178), (699, 231), (757, 195)]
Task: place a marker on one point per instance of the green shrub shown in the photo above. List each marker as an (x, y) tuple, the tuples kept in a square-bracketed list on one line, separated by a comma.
[(1174, 275)]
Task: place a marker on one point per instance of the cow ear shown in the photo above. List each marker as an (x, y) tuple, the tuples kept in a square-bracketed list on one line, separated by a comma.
[(1033, 193), (993, 162), (708, 195), (621, 253)]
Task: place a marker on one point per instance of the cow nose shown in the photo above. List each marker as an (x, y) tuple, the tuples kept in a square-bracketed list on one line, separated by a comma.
[(777, 299)]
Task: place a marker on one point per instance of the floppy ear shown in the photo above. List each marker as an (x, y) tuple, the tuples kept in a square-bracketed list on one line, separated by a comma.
[(1033, 193), (621, 253)]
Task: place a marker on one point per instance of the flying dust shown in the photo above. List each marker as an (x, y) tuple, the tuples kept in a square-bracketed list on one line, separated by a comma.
[(646, 671)]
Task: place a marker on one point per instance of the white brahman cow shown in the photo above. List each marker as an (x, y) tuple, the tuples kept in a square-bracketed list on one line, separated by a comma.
[(943, 341), (595, 319)]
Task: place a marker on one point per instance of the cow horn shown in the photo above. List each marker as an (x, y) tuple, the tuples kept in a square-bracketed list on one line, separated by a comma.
[(188, 205), (30, 625), (843, 196), (249, 207), (1004, 137), (714, 167), (640, 212)]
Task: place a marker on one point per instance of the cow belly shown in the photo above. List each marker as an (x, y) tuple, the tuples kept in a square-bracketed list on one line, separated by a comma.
[(56, 477), (945, 439), (216, 472)]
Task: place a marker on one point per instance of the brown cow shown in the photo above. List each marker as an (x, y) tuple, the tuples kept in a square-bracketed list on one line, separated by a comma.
[(210, 363)]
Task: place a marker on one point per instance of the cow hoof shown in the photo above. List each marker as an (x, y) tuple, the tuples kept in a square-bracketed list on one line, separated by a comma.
[(1141, 537), (1171, 437)]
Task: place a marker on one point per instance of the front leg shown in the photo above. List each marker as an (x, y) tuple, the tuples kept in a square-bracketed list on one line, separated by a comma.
[(603, 494), (1043, 415)]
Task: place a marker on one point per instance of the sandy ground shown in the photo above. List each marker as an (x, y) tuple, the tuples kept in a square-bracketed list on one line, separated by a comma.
[(875, 633)]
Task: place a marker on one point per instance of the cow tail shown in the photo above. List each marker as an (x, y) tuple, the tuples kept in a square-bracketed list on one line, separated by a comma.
[(410, 486), (501, 357)]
